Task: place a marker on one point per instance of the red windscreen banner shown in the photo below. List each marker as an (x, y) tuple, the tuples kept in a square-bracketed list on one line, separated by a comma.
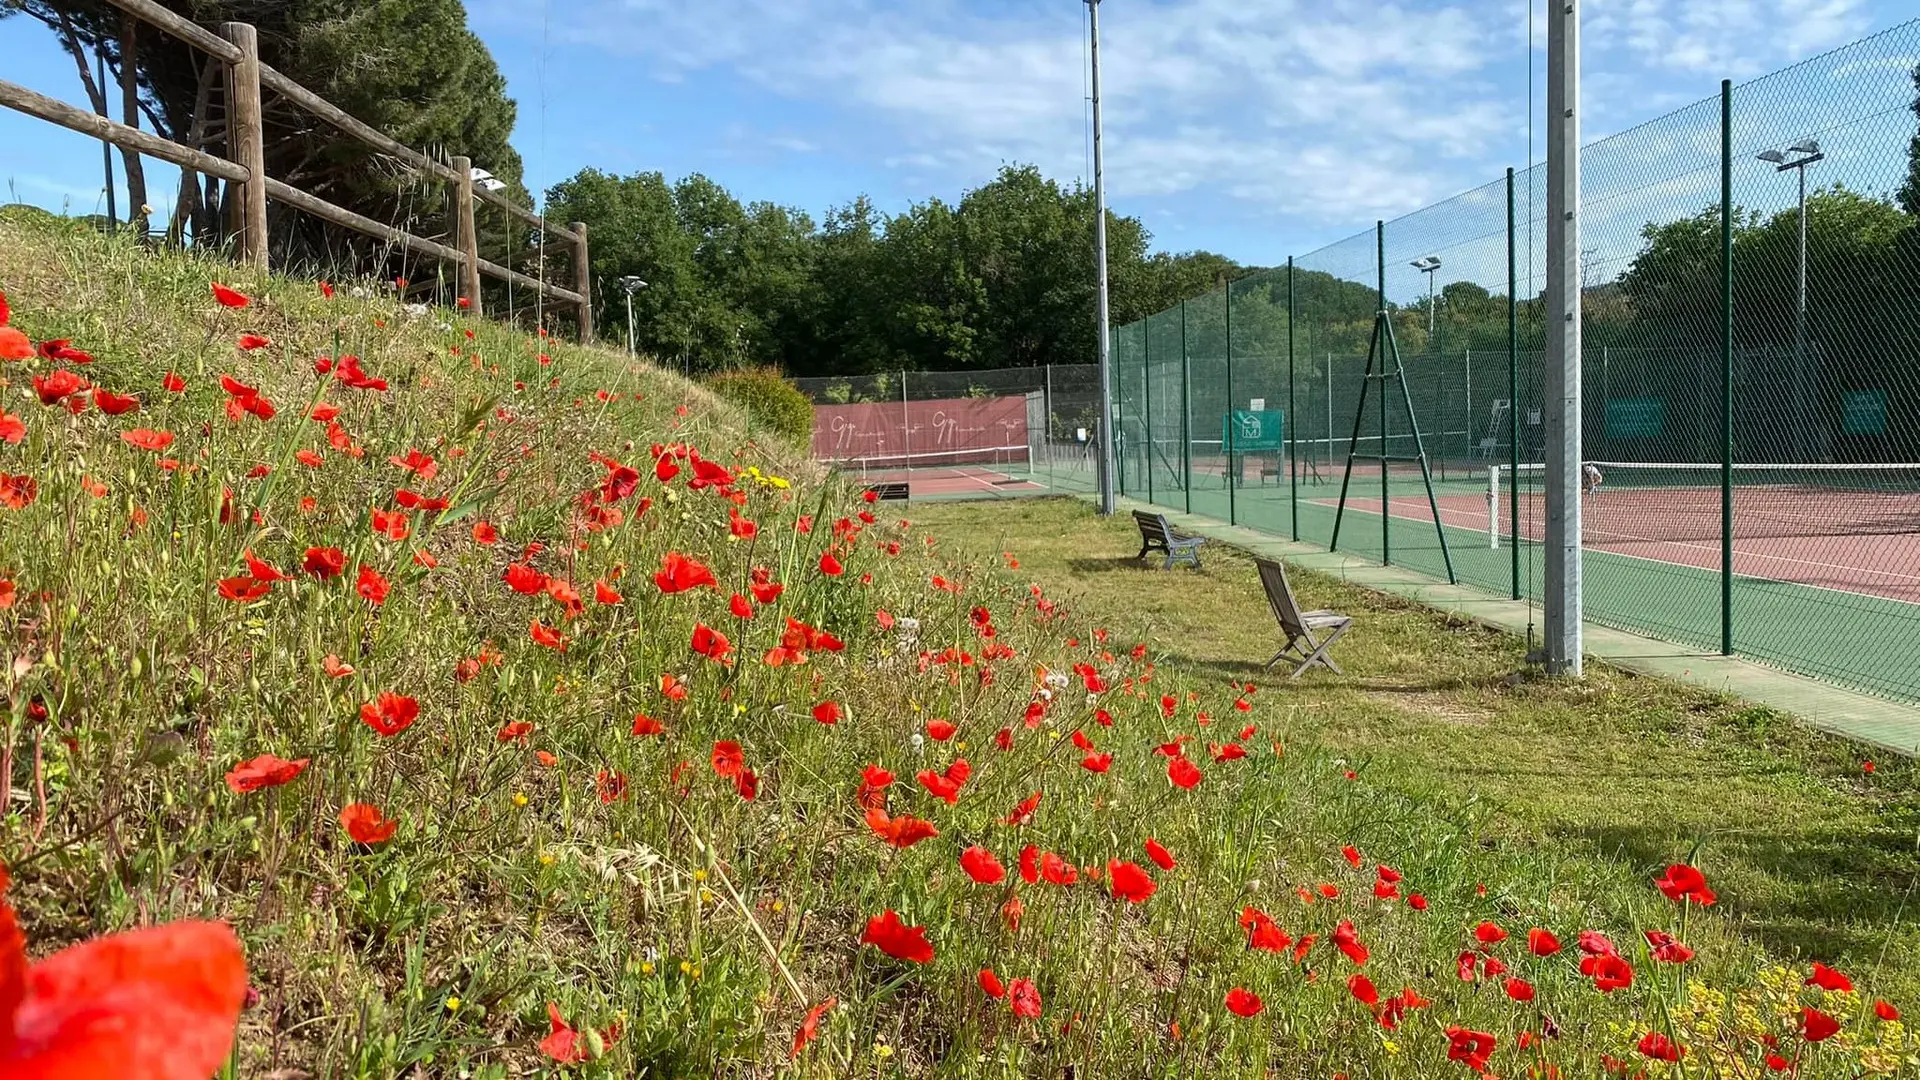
[(948, 431)]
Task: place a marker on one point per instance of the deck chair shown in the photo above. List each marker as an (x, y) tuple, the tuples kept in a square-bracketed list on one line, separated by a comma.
[(1299, 625), (1157, 535)]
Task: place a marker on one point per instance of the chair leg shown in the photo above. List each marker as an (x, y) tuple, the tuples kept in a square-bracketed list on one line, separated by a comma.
[(1277, 657)]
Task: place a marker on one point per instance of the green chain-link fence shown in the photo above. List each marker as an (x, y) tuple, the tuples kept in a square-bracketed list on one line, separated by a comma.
[(1823, 362)]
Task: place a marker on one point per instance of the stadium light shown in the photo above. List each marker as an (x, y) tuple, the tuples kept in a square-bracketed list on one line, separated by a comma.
[(630, 284), (487, 180), (1804, 153), (1427, 264)]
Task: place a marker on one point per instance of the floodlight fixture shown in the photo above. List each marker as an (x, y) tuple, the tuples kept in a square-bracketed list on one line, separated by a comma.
[(486, 179), (1772, 157)]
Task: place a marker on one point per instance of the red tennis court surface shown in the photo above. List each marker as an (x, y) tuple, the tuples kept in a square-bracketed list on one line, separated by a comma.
[(1681, 525), (952, 480)]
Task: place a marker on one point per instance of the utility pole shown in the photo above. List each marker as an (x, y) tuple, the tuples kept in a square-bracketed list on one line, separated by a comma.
[(1562, 397), (1101, 330)]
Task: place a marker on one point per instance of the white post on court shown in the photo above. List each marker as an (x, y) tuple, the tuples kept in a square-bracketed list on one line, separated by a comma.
[(1562, 369)]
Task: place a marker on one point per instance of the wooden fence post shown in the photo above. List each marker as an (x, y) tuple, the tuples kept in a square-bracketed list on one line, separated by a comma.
[(464, 235), (246, 143), (583, 281)]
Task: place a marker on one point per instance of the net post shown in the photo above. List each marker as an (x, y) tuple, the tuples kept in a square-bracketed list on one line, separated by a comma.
[(1291, 420), (1386, 501), (1186, 413), (1046, 425), (1726, 367), (906, 433), (1513, 391), (1233, 469)]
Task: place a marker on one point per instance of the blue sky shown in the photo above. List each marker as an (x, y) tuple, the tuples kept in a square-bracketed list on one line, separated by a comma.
[(1256, 128)]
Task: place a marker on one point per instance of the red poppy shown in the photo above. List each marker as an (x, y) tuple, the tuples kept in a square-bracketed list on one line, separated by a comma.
[(1684, 883), (647, 725), (747, 784), (17, 492), (810, 1025), (1097, 763), (372, 586), (981, 866), (1595, 943), (1362, 989), (1608, 971), (243, 589), (1666, 949), (990, 984), (902, 942), (1055, 870), (1519, 989), (394, 525), (827, 712), (546, 636), (262, 772), (1129, 882), (610, 785), (940, 787), (1347, 940), (485, 533), (1489, 933), (1542, 942), (114, 404), (727, 759), (902, 831), (324, 563), (1244, 1003), (564, 1044), (1262, 933), (1885, 1011), (13, 430), (1817, 1026), (228, 298), (391, 713), (250, 342), (679, 573), (1469, 1047), (1183, 773), (418, 463), (519, 729), (366, 824), (1827, 978), (710, 643), (159, 1003), (1024, 998), (1023, 813), (1656, 1045), (1352, 855), (830, 566), (14, 344)]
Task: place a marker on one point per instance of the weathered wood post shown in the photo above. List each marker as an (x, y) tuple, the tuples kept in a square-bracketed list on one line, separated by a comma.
[(464, 235), (583, 281), (246, 143)]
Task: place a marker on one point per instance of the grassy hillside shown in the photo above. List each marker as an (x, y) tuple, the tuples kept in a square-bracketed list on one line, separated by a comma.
[(686, 753)]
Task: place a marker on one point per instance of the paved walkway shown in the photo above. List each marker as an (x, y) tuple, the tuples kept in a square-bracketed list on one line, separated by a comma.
[(1883, 723)]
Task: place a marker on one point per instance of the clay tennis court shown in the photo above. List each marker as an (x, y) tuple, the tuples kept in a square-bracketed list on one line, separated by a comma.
[(955, 480)]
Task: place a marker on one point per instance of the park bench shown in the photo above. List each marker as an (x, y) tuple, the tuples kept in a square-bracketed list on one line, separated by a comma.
[(889, 492), (1299, 625), (1157, 535)]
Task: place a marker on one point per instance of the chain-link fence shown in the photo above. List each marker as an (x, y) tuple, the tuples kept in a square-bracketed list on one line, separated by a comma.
[(1790, 446)]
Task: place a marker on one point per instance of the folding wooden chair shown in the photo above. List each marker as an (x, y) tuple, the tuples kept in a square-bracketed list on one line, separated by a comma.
[(1300, 625)]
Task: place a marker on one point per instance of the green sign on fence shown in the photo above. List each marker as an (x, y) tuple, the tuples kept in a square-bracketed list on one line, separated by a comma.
[(1246, 431), (1863, 412), (1636, 418)]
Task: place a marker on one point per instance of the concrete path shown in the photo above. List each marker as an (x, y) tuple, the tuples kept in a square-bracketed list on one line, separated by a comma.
[(1887, 724)]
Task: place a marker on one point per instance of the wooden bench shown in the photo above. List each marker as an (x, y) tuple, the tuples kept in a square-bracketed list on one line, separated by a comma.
[(1157, 535), (889, 492)]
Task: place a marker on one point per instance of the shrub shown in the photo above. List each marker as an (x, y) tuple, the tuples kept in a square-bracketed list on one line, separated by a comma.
[(771, 401)]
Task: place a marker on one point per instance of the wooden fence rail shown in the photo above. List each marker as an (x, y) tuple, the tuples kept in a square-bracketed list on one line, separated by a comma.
[(236, 47)]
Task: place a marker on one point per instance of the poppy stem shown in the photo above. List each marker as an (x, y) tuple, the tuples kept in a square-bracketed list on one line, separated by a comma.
[(773, 954)]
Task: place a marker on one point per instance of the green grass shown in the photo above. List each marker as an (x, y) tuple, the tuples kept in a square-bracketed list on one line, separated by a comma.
[(624, 879)]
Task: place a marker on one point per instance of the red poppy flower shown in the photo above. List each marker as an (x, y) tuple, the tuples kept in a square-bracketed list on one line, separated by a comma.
[(1471, 1048), (518, 730), (229, 298), (114, 404), (250, 342), (1685, 883), (394, 525), (727, 759), (243, 589), (647, 725), (366, 824), (810, 1025), (263, 772), (679, 573), (940, 787), (14, 345), (1608, 971), (610, 786), (766, 592), (524, 579), (1097, 763), (710, 643), (827, 712), (1055, 870), (981, 866), (17, 492), (1656, 1045), (1817, 1026), (1352, 855), (144, 439), (159, 1003), (941, 730), (1244, 1003), (13, 430), (1024, 998), (324, 563), (1347, 940), (902, 831), (546, 636), (1262, 933), (1595, 943), (1489, 933), (1885, 1011), (830, 566), (60, 384), (874, 776), (990, 984), (1542, 942), (1023, 813), (372, 586), (1362, 989), (564, 1044), (1519, 989), (390, 713), (890, 936), (1183, 773), (418, 463), (1827, 978), (1666, 949), (1129, 882)]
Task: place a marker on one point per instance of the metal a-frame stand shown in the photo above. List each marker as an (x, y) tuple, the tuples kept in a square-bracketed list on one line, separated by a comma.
[(1382, 347)]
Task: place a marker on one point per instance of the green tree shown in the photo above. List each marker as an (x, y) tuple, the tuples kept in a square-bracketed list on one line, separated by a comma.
[(1910, 188)]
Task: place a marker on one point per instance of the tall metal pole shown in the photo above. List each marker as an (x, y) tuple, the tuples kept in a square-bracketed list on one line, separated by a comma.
[(1562, 398), (629, 322), (1726, 366), (1380, 343), (1292, 420), (1513, 394), (1100, 272), (1186, 412), (1234, 465), (1800, 332)]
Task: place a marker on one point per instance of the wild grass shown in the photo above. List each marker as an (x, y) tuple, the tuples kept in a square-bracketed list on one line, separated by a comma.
[(685, 921)]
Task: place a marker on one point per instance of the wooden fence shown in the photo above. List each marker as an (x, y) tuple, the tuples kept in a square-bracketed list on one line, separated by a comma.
[(237, 47)]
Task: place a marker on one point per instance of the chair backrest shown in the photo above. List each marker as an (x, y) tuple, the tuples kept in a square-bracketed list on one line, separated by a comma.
[(1273, 578), (1152, 526)]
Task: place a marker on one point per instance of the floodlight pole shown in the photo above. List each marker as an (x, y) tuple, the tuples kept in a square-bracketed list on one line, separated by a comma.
[(1562, 397), (1101, 329)]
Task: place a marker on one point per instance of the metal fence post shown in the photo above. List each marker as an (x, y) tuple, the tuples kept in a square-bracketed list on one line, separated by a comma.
[(906, 429), (1513, 395), (1386, 494), (1046, 424), (246, 143), (1227, 434), (1291, 419), (1726, 367), (1146, 400), (1186, 412)]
